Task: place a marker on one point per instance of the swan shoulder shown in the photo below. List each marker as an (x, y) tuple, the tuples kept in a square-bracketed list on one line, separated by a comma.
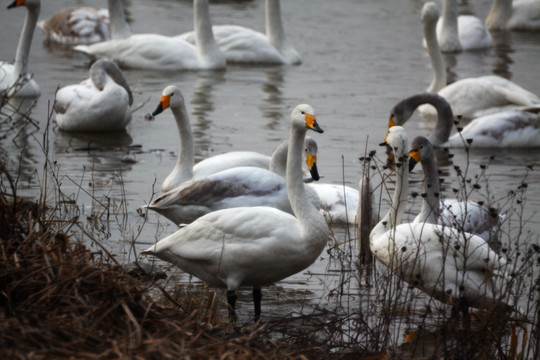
[(337, 202), (229, 160), (84, 25), (473, 34)]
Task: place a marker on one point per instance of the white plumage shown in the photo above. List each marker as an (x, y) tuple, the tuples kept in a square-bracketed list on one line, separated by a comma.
[(519, 15), (244, 45), (159, 52), (100, 103), (253, 246), (443, 262)]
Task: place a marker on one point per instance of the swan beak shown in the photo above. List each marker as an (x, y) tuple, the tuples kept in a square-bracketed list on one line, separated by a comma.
[(311, 162), (16, 3), (164, 103), (391, 122), (311, 123), (414, 158), (385, 139)]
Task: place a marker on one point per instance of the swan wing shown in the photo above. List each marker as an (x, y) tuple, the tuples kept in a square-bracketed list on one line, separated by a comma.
[(473, 34), (338, 203), (525, 15), (229, 160)]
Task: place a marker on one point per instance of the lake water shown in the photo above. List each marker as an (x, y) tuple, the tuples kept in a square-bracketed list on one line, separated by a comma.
[(359, 59)]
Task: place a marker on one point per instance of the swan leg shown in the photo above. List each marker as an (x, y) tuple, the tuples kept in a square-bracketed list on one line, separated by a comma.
[(257, 297), (231, 300)]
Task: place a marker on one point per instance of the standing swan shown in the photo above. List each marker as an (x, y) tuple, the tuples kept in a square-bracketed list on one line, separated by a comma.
[(518, 128), (184, 169), (159, 52), (253, 246), (15, 82), (244, 45), (445, 263), (470, 97), (87, 25), (520, 15), (467, 216), (100, 103), (461, 33)]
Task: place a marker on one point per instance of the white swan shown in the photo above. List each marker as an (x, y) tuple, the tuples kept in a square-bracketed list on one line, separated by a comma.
[(244, 45), (519, 128), (467, 216), (184, 169), (445, 263), (338, 202), (86, 25), (253, 246), (100, 103), (470, 97), (461, 33), (520, 15), (15, 82), (235, 187), (159, 52)]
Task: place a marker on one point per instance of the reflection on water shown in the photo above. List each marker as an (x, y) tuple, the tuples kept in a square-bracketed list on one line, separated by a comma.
[(272, 108), (502, 48)]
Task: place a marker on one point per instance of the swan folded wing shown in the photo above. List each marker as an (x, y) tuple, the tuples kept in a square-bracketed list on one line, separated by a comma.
[(472, 33), (230, 160)]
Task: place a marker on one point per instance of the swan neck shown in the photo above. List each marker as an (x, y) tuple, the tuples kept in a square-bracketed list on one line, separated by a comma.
[(429, 212), (278, 162), (399, 201), (450, 19), (274, 24), (438, 69), (117, 18), (499, 14), (185, 161), (445, 120), (25, 40), (204, 36)]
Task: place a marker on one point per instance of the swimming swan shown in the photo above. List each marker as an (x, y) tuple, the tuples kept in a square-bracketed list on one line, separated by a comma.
[(184, 169), (15, 82), (100, 103), (159, 52), (470, 97), (520, 15), (235, 187), (517, 128), (244, 45), (253, 246), (86, 25), (445, 263), (467, 216)]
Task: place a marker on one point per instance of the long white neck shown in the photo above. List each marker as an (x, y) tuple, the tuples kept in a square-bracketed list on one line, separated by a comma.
[(278, 162), (311, 220), (183, 170), (438, 69), (275, 33), (399, 201), (207, 47), (449, 34), (429, 213), (25, 40), (499, 14), (119, 26)]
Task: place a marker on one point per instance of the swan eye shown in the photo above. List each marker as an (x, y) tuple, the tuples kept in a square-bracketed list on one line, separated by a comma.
[(303, 112)]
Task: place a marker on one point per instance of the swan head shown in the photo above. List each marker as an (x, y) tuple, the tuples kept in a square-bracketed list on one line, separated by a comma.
[(421, 149), (27, 3), (310, 146), (303, 116), (430, 13), (171, 97), (396, 146)]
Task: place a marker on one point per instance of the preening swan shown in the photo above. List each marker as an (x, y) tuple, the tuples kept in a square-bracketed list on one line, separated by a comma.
[(467, 216), (15, 82), (184, 169), (253, 246), (244, 45), (86, 25), (464, 32), (512, 128), (235, 187), (445, 263), (520, 15), (159, 52), (100, 103), (470, 97)]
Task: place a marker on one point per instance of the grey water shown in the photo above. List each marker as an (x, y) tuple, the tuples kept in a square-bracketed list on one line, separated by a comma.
[(359, 59)]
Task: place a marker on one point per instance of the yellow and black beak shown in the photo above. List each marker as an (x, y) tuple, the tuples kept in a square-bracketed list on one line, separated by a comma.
[(16, 3), (311, 123), (164, 103), (311, 162), (414, 158)]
